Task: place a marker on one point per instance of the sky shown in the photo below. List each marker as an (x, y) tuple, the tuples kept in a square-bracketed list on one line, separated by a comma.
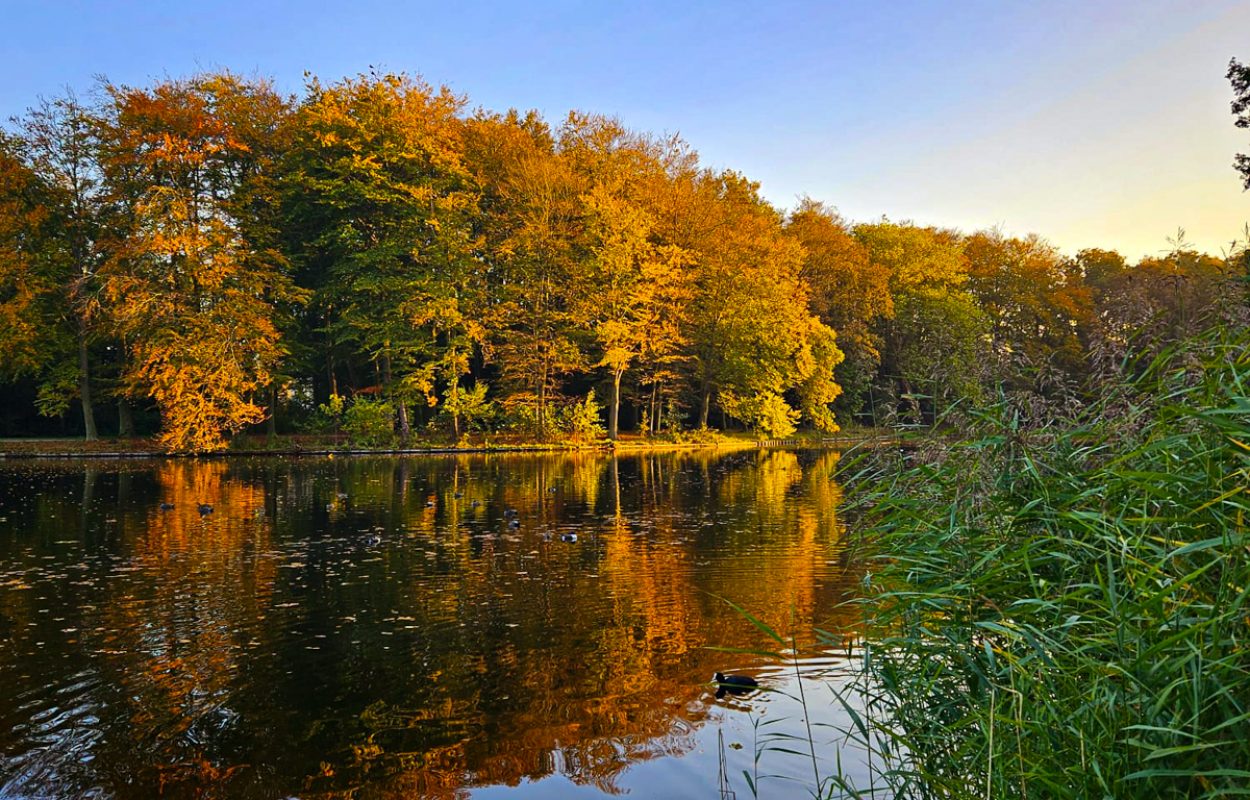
[(1094, 124)]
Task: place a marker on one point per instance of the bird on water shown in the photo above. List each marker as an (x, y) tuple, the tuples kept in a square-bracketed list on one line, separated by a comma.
[(733, 684), (205, 509)]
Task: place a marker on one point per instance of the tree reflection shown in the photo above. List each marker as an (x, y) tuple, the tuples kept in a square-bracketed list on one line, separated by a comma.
[(374, 627)]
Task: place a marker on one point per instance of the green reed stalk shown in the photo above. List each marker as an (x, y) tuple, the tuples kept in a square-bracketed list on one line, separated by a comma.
[(1059, 608)]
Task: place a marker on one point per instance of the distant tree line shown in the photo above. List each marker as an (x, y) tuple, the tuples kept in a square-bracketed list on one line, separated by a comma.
[(204, 256)]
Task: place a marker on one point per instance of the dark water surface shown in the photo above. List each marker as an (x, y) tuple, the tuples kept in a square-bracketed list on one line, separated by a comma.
[(375, 627)]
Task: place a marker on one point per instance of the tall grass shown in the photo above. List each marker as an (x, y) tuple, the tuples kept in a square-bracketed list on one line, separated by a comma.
[(1060, 609)]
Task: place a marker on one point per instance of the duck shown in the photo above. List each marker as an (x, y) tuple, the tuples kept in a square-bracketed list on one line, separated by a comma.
[(514, 523), (429, 503), (476, 504), (509, 512), (458, 495), (205, 509), (568, 537), (733, 684), (167, 506), (372, 540)]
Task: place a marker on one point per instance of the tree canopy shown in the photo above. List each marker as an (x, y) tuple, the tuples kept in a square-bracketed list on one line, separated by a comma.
[(373, 255)]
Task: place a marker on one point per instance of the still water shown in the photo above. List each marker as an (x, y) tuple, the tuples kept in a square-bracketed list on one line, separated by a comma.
[(380, 627)]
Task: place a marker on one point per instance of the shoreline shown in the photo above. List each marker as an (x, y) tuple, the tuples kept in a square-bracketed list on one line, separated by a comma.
[(73, 449)]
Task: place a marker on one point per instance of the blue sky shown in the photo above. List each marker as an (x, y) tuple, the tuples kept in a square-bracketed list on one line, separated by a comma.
[(1093, 123)]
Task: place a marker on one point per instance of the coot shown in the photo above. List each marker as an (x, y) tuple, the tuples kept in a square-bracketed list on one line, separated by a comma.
[(733, 684)]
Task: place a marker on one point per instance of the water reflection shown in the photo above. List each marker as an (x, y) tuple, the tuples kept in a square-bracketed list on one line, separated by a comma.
[(377, 627)]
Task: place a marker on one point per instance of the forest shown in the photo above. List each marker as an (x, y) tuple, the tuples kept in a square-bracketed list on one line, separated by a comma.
[(204, 257)]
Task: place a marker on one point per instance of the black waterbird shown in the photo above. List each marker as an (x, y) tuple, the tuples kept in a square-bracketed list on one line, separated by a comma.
[(733, 684)]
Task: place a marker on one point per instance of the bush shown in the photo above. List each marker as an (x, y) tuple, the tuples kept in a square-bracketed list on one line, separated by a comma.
[(329, 416), (475, 412), (582, 420), (370, 423), (767, 413)]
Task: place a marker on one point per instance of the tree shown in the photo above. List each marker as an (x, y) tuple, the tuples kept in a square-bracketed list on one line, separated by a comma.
[(934, 341), (914, 257), (1037, 305), (936, 346), (31, 278), (849, 292), (531, 224), (377, 173), (633, 289), (60, 147), (751, 330), (1239, 76), (192, 284)]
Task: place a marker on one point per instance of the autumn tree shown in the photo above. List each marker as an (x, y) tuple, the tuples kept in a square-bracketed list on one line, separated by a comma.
[(377, 174), (1037, 304), (849, 292), (633, 288), (752, 336), (533, 248), (192, 282), (31, 276), (60, 147)]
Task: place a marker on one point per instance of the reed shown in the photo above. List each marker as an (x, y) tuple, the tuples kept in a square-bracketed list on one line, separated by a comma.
[(1057, 608)]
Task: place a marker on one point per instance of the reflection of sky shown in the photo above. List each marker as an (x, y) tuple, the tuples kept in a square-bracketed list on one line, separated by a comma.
[(782, 774), (276, 640), (1095, 124)]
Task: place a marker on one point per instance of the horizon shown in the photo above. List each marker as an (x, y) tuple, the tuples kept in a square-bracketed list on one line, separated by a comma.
[(1102, 127)]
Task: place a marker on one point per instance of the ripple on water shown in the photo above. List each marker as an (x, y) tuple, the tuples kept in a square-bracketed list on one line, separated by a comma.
[(275, 648)]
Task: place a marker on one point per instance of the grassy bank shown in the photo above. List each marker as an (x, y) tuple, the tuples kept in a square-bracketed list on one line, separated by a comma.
[(304, 444), (1059, 609)]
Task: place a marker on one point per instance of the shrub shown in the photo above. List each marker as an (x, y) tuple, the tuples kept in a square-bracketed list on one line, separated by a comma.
[(767, 413), (370, 423), (329, 416), (582, 420)]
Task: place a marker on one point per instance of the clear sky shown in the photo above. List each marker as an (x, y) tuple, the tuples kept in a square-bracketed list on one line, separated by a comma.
[(1092, 123)]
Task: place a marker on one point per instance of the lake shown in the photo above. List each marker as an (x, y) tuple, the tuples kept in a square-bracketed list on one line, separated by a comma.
[(373, 627)]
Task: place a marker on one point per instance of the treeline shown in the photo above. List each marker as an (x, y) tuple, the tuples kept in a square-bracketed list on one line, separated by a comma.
[(212, 255)]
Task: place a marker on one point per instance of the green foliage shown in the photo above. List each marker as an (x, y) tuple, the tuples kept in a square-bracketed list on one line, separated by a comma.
[(329, 416), (584, 420), (470, 406), (767, 413), (1060, 610), (370, 423), (58, 389)]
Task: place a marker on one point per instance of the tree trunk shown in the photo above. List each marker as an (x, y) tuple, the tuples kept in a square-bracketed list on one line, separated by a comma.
[(652, 421), (405, 431), (125, 422), (271, 424), (84, 389), (707, 405), (334, 383), (614, 416), (542, 404)]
